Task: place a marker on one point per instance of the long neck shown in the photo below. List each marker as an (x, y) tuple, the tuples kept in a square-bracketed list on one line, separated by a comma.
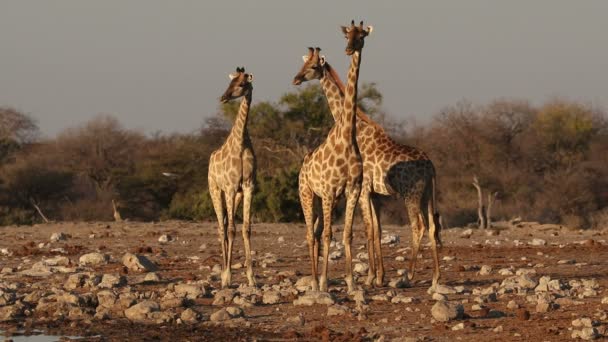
[(239, 129), (334, 91), (350, 97)]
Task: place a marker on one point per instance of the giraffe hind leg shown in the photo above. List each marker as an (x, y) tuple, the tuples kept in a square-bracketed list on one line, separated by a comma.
[(247, 195)]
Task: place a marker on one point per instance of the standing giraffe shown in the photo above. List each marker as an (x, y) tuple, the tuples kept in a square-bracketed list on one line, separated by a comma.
[(333, 168), (232, 176), (392, 169)]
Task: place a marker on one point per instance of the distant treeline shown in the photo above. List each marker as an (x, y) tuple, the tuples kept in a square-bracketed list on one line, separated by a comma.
[(547, 163)]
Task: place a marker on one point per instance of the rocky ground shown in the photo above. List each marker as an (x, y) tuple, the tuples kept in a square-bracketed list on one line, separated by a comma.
[(160, 281)]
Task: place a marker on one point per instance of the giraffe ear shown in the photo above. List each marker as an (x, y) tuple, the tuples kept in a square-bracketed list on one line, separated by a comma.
[(305, 58), (345, 29), (232, 76), (370, 29), (250, 78), (322, 60)]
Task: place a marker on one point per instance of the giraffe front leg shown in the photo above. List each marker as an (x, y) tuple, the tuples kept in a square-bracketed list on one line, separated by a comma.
[(227, 272), (351, 201), (307, 203), (247, 194), (365, 205), (377, 230), (328, 204), (218, 206)]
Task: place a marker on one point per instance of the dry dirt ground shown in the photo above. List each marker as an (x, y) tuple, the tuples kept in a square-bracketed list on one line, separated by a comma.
[(567, 256)]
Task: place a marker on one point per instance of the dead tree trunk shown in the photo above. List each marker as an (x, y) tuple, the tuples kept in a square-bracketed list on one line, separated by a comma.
[(481, 210), (117, 216), (39, 211), (491, 200)]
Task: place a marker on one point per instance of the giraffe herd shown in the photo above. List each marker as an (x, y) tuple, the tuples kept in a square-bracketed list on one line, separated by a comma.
[(357, 159)]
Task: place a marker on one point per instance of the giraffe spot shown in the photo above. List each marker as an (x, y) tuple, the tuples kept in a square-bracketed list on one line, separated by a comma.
[(339, 148), (340, 162)]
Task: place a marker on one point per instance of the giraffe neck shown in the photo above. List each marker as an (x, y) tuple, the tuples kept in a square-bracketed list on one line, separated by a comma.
[(239, 129), (350, 98), (334, 91)]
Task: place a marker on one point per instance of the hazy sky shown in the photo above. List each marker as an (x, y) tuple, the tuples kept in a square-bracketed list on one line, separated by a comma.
[(162, 65)]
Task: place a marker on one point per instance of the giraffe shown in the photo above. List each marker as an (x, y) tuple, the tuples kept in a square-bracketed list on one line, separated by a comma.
[(232, 175), (393, 169), (333, 168)]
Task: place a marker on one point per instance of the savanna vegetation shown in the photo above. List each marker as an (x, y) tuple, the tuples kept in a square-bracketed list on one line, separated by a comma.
[(546, 163)]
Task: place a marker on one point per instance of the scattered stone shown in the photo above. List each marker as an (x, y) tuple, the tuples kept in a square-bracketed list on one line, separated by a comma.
[(190, 316), (538, 242), (444, 311), (485, 270), (59, 236), (304, 283), (389, 239), (512, 305), (138, 263), (106, 298), (439, 296), (140, 312), (467, 233), (314, 297), (566, 262), (586, 334), (399, 283), (400, 258), (223, 297), (519, 282), (57, 261), (359, 296), (190, 291), (112, 280), (403, 299), (271, 297), (281, 239), (361, 268), (459, 326), (498, 329), (449, 258), (225, 314), (93, 259), (165, 238), (381, 298), (152, 277), (583, 322)]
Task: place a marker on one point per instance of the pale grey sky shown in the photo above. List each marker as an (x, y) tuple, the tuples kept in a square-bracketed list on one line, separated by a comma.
[(162, 65)]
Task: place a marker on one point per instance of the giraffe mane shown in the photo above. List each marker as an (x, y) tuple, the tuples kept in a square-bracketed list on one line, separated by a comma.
[(332, 72)]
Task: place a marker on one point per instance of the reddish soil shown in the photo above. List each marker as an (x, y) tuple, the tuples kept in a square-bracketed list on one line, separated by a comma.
[(271, 322)]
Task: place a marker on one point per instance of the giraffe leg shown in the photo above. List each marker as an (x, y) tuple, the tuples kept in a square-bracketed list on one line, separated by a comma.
[(377, 230), (433, 233), (328, 204), (247, 194), (366, 212), (417, 233), (227, 272), (218, 206), (307, 202), (351, 202)]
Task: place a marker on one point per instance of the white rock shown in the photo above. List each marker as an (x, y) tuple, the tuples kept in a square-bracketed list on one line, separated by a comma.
[(165, 238), (485, 270), (444, 311), (93, 259), (361, 268), (467, 233), (59, 236), (138, 263), (538, 242), (389, 239), (314, 297), (140, 312), (458, 326)]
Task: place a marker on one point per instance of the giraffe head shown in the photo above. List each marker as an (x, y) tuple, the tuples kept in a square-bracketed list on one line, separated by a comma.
[(312, 68), (240, 85), (355, 36)]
